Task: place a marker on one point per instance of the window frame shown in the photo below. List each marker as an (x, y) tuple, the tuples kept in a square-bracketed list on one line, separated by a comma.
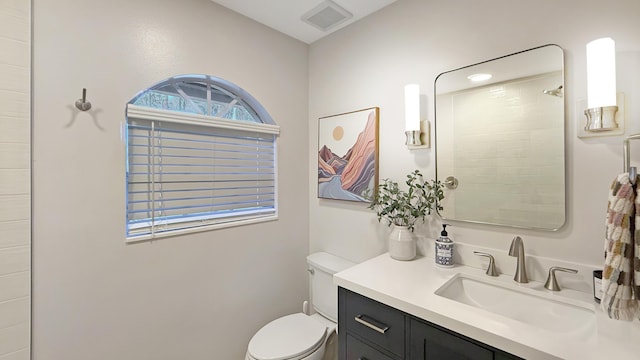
[(144, 113)]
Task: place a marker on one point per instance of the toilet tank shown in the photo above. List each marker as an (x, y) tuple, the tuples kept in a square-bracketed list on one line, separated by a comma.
[(324, 294)]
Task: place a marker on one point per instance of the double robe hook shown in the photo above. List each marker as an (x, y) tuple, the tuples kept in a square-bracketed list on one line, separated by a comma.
[(83, 104)]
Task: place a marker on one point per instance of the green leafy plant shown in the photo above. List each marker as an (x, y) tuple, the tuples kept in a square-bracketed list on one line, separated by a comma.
[(405, 207)]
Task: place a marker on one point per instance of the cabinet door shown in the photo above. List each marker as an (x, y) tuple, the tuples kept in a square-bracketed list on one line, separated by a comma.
[(430, 343)]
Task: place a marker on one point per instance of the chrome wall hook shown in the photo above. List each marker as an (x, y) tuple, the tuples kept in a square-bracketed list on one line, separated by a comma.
[(83, 104)]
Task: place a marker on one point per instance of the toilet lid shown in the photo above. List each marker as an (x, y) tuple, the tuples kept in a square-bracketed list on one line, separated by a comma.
[(288, 337)]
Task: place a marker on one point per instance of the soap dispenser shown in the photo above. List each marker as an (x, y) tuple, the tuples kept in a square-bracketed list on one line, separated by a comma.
[(444, 249)]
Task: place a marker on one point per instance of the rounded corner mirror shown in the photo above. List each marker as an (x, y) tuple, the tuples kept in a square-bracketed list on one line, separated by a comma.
[(499, 130)]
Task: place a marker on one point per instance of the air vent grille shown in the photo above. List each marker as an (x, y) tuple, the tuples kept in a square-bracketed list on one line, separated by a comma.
[(326, 15)]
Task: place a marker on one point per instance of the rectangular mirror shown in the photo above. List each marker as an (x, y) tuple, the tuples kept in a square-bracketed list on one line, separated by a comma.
[(499, 129)]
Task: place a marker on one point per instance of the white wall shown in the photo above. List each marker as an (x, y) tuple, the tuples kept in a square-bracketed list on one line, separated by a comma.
[(199, 296), (410, 41), (15, 197)]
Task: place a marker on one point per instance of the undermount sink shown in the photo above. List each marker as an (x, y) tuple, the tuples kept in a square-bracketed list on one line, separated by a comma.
[(531, 306)]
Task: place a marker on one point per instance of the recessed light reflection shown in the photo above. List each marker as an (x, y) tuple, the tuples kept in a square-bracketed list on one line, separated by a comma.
[(479, 77)]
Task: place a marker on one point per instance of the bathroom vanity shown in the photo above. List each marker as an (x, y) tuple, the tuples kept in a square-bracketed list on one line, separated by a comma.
[(393, 310), (377, 331)]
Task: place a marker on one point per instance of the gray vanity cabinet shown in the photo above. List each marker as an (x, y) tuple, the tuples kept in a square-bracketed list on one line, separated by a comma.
[(370, 330)]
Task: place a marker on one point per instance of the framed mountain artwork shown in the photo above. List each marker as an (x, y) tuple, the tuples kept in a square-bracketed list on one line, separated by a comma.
[(348, 155)]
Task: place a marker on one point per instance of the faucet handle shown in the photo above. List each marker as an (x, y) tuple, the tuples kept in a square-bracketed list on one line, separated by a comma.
[(552, 283), (491, 269)]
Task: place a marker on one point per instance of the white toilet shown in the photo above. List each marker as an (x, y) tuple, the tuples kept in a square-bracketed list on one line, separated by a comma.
[(300, 336)]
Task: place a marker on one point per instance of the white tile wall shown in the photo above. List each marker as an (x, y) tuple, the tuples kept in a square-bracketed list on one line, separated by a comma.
[(14, 286), (15, 175), (14, 233), (13, 130), (22, 354), (14, 207), (14, 181), (15, 340), (13, 260)]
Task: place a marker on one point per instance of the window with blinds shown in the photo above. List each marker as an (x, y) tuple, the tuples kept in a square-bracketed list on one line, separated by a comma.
[(189, 170)]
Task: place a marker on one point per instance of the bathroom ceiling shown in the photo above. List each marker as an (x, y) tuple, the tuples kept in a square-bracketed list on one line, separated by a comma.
[(286, 15)]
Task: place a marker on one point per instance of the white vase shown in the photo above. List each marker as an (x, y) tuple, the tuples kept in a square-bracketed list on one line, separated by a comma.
[(402, 244)]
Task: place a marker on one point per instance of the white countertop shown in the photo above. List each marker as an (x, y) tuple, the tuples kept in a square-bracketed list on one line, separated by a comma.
[(409, 286)]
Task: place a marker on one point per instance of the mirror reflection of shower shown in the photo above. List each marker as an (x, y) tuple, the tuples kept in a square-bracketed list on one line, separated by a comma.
[(555, 92), (493, 143)]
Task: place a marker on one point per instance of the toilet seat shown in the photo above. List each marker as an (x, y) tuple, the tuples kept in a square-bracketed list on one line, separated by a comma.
[(291, 337)]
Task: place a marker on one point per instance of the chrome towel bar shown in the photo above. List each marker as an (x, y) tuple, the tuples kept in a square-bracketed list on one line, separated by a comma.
[(626, 156)]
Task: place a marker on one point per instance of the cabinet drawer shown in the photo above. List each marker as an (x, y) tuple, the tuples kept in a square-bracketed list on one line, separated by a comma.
[(430, 343), (375, 322), (357, 350)]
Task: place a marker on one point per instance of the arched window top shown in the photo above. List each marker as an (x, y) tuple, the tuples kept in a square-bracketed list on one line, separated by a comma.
[(203, 95)]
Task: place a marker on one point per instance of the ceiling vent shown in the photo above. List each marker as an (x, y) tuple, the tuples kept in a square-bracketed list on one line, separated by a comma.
[(326, 15)]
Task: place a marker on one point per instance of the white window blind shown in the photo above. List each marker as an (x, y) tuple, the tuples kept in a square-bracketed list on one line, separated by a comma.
[(188, 171)]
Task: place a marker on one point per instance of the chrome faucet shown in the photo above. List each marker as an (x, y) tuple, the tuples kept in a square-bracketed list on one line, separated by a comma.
[(517, 250)]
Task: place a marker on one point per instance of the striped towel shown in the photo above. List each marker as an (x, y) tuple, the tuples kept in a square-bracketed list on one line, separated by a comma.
[(617, 277)]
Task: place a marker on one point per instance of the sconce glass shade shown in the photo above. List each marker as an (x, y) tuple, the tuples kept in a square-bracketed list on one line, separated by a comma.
[(601, 73), (412, 107), (601, 85)]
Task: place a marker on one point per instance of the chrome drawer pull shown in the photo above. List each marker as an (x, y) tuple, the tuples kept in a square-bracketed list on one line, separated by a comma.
[(381, 329)]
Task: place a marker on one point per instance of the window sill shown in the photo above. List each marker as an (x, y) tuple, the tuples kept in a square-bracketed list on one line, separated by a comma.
[(173, 233)]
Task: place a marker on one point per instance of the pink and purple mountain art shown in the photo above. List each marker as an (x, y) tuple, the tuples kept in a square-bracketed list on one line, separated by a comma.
[(350, 176)]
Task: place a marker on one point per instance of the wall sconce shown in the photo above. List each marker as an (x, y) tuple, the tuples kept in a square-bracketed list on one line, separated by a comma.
[(601, 86), (416, 131)]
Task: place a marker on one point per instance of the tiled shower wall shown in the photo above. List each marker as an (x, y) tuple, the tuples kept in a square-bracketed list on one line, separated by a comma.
[(518, 148), (15, 175)]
